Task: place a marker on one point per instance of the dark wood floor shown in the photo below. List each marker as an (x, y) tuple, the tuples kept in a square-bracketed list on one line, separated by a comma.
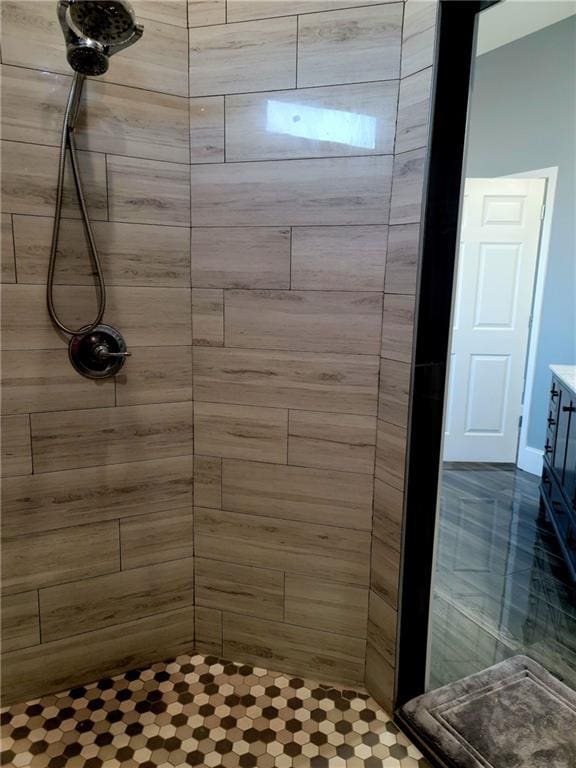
[(500, 586)]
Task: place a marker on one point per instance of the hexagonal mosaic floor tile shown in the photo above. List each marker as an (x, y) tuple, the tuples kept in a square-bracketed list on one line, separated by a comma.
[(204, 711)]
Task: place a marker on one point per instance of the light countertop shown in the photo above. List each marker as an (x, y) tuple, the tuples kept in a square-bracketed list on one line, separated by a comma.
[(566, 374)]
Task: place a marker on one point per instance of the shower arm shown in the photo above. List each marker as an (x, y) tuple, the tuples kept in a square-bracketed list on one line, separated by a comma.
[(68, 142)]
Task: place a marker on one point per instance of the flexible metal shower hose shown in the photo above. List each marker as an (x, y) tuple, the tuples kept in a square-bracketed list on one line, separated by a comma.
[(68, 142)]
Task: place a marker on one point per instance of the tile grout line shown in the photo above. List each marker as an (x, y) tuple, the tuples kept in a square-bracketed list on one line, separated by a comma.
[(39, 617), (120, 545), (29, 415), (14, 248), (297, 49)]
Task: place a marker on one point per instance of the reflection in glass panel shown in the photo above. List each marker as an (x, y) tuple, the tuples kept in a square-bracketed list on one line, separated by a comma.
[(502, 583), (320, 124)]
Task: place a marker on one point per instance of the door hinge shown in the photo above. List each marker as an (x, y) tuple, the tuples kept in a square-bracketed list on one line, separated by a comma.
[(520, 421), (542, 211)]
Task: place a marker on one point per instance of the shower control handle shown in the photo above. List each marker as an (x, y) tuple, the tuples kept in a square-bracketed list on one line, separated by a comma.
[(103, 352), (98, 354)]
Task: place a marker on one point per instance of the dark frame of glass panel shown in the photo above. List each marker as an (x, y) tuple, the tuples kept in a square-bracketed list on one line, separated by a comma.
[(456, 39)]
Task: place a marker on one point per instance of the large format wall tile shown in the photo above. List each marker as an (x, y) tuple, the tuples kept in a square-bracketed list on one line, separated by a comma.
[(53, 500), (157, 62), (402, 259), (20, 622), (208, 481), (8, 265), (326, 605), (32, 38), (385, 571), (63, 663), (407, 187), (63, 525), (240, 588), (207, 129), (168, 11), (148, 191), (242, 10), (350, 45), (304, 380), (397, 327), (291, 185), (312, 122), (102, 601), (418, 35), (413, 111), (201, 13), (208, 630), (155, 375), (382, 627), (241, 432), (294, 649), (131, 254), (379, 675), (110, 435), (332, 441), (347, 190), (29, 175), (33, 104), (388, 512), (240, 257), (232, 58), (113, 118), (135, 122), (207, 317), (157, 537), (390, 454), (16, 448), (304, 320), (298, 493), (319, 551), (147, 316), (44, 380), (55, 557), (339, 258), (394, 392)]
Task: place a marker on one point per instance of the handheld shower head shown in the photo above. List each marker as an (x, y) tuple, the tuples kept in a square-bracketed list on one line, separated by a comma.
[(108, 22), (94, 30)]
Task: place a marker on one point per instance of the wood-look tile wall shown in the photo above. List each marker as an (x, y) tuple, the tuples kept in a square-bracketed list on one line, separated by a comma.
[(97, 553), (410, 150), (293, 114), (280, 271)]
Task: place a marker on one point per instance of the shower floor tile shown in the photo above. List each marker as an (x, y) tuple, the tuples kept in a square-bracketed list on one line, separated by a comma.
[(204, 711)]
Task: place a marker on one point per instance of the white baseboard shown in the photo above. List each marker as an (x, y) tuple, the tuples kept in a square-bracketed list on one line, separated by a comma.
[(530, 460)]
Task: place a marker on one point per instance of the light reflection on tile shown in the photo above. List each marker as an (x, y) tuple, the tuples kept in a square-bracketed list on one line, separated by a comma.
[(338, 120)]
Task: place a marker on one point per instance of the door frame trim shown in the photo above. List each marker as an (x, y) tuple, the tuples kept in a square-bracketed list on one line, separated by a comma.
[(528, 457), (456, 38)]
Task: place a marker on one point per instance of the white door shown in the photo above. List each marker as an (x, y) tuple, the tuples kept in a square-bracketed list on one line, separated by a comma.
[(499, 241)]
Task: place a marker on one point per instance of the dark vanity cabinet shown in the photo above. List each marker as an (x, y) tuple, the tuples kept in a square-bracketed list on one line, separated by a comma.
[(558, 486)]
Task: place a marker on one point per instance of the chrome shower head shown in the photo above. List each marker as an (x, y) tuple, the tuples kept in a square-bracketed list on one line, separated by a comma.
[(108, 22), (94, 30)]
